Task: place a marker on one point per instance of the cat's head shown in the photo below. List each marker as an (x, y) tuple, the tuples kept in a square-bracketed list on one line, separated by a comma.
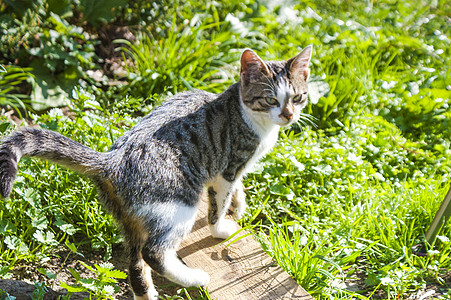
[(274, 92)]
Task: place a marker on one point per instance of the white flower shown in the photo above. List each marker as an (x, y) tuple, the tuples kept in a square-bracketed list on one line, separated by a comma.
[(387, 281), (443, 239)]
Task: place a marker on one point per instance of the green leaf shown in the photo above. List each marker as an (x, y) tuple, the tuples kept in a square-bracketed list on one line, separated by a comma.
[(47, 238), (64, 226), (104, 266), (73, 289), (279, 189), (96, 12), (87, 266), (109, 289), (15, 243), (49, 274), (51, 90), (73, 248), (39, 222), (116, 274), (62, 8), (6, 226), (75, 274), (6, 296), (4, 126)]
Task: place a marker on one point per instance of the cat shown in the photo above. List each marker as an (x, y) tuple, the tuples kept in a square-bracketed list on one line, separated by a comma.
[(152, 177)]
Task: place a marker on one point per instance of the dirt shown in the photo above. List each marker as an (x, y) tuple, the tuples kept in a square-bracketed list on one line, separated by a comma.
[(22, 283)]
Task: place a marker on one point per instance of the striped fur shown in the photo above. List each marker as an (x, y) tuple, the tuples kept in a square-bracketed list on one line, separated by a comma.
[(48, 145), (152, 178)]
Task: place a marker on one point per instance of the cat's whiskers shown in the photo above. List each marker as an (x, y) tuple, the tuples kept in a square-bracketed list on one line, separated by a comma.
[(308, 120)]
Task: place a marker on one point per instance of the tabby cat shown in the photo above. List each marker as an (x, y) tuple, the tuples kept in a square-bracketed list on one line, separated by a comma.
[(152, 178)]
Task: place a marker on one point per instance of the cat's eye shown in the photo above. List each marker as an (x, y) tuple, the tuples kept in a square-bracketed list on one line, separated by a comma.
[(271, 101), (299, 98)]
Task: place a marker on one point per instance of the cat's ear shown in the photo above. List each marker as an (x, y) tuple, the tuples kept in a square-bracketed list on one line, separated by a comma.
[(252, 66), (298, 65)]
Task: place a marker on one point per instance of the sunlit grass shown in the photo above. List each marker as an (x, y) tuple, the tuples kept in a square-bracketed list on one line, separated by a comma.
[(345, 200)]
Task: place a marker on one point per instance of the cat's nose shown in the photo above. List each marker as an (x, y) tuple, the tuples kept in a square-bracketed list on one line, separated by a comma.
[(286, 115)]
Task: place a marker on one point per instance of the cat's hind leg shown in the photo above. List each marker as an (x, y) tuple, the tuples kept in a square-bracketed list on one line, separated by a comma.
[(170, 266), (169, 223), (135, 234), (139, 272), (141, 279)]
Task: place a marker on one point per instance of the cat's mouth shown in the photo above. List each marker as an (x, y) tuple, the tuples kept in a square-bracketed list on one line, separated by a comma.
[(284, 122)]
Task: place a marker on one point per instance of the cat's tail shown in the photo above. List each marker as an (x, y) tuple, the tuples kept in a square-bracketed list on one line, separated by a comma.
[(48, 145)]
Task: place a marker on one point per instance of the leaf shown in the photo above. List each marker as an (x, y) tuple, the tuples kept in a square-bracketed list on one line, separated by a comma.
[(75, 274), (39, 236), (7, 226), (5, 272), (279, 189), (15, 243), (20, 7), (109, 289), (6, 296), (62, 8), (49, 274), (116, 274), (259, 210), (4, 127), (323, 169), (72, 247), (47, 238), (105, 266), (39, 223), (87, 266), (64, 226), (297, 164), (72, 289), (96, 12), (50, 90), (317, 88)]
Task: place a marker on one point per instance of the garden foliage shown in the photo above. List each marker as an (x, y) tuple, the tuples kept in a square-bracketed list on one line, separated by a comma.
[(339, 203)]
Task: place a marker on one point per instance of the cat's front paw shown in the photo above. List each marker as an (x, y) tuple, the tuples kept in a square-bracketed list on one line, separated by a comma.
[(238, 212), (238, 205), (223, 229)]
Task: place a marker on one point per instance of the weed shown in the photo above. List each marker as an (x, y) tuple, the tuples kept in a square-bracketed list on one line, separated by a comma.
[(10, 94), (188, 58), (347, 199), (102, 286)]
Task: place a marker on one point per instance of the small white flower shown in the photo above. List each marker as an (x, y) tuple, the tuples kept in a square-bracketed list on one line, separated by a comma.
[(387, 281), (109, 289), (433, 252), (443, 239), (107, 265)]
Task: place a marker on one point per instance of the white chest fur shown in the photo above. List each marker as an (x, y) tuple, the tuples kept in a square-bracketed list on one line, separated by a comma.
[(265, 129), (268, 141)]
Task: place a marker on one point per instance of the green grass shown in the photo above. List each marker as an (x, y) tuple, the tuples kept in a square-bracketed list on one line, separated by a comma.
[(335, 209), (187, 56), (343, 201), (11, 78)]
